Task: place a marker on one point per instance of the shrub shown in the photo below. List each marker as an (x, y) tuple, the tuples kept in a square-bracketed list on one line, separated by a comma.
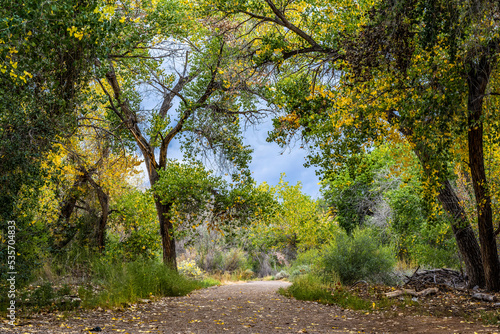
[(435, 246), (190, 269), (234, 259), (309, 287), (357, 257), (47, 298), (299, 270), (282, 274), (313, 288)]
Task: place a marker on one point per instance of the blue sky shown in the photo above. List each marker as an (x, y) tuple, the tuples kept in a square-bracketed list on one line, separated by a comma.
[(268, 161)]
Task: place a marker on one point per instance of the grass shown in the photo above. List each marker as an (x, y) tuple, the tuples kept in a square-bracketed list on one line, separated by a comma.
[(237, 275), (312, 288), (112, 285), (117, 284)]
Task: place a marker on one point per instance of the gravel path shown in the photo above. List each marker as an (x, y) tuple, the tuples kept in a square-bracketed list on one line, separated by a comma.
[(252, 307)]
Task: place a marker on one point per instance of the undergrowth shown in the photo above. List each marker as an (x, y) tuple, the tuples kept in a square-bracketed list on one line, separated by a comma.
[(111, 285), (313, 288), (115, 284)]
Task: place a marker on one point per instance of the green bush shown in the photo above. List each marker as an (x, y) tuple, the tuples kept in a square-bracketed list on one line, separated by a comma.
[(299, 270), (190, 269), (309, 287), (234, 259), (358, 257), (434, 246), (47, 298), (308, 261)]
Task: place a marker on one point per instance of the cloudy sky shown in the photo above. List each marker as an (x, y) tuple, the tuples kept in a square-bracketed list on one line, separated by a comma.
[(268, 161)]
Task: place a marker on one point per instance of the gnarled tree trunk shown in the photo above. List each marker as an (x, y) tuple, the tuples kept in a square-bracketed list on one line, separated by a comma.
[(464, 235), (477, 80), (166, 227)]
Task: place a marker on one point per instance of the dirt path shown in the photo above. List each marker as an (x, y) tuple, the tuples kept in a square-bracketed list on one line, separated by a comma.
[(252, 307)]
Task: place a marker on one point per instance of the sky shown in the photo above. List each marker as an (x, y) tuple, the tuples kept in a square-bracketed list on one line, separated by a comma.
[(268, 161)]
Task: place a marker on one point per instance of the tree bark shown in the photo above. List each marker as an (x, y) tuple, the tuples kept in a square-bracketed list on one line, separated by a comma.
[(167, 237), (464, 235), (477, 80), (166, 227), (462, 230), (66, 211), (100, 237), (100, 228)]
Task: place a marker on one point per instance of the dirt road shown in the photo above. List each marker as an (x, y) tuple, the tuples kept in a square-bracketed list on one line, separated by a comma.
[(252, 307)]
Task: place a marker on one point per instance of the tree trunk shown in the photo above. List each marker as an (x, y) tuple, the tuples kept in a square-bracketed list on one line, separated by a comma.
[(66, 211), (100, 229), (166, 227), (477, 81), (464, 235), (167, 236), (103, 220)]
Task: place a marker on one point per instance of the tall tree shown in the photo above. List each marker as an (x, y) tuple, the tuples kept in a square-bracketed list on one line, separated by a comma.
[(201, 93)]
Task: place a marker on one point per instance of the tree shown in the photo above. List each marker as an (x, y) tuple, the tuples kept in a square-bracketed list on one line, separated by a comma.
[(45, 62), (200, 102), (198, 197), (296, 222), (384, 71)]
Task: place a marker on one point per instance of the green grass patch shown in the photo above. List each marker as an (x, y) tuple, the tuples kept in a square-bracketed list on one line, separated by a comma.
[(112, 284), (312, 288), (117, 284), (208, 282)]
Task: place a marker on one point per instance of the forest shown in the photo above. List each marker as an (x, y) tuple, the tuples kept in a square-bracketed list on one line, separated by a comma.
[(392, 101)]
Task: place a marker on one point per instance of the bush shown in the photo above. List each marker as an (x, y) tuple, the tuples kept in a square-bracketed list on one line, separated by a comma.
[(234, 259), (47, 298), (190, 269), (309, 287), (357, 257), (282, 274), (306, 262), (435, 246), (299, 270)]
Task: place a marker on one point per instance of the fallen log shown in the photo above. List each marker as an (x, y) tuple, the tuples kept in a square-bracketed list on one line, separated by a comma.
[(411, 292), (484, 296)]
